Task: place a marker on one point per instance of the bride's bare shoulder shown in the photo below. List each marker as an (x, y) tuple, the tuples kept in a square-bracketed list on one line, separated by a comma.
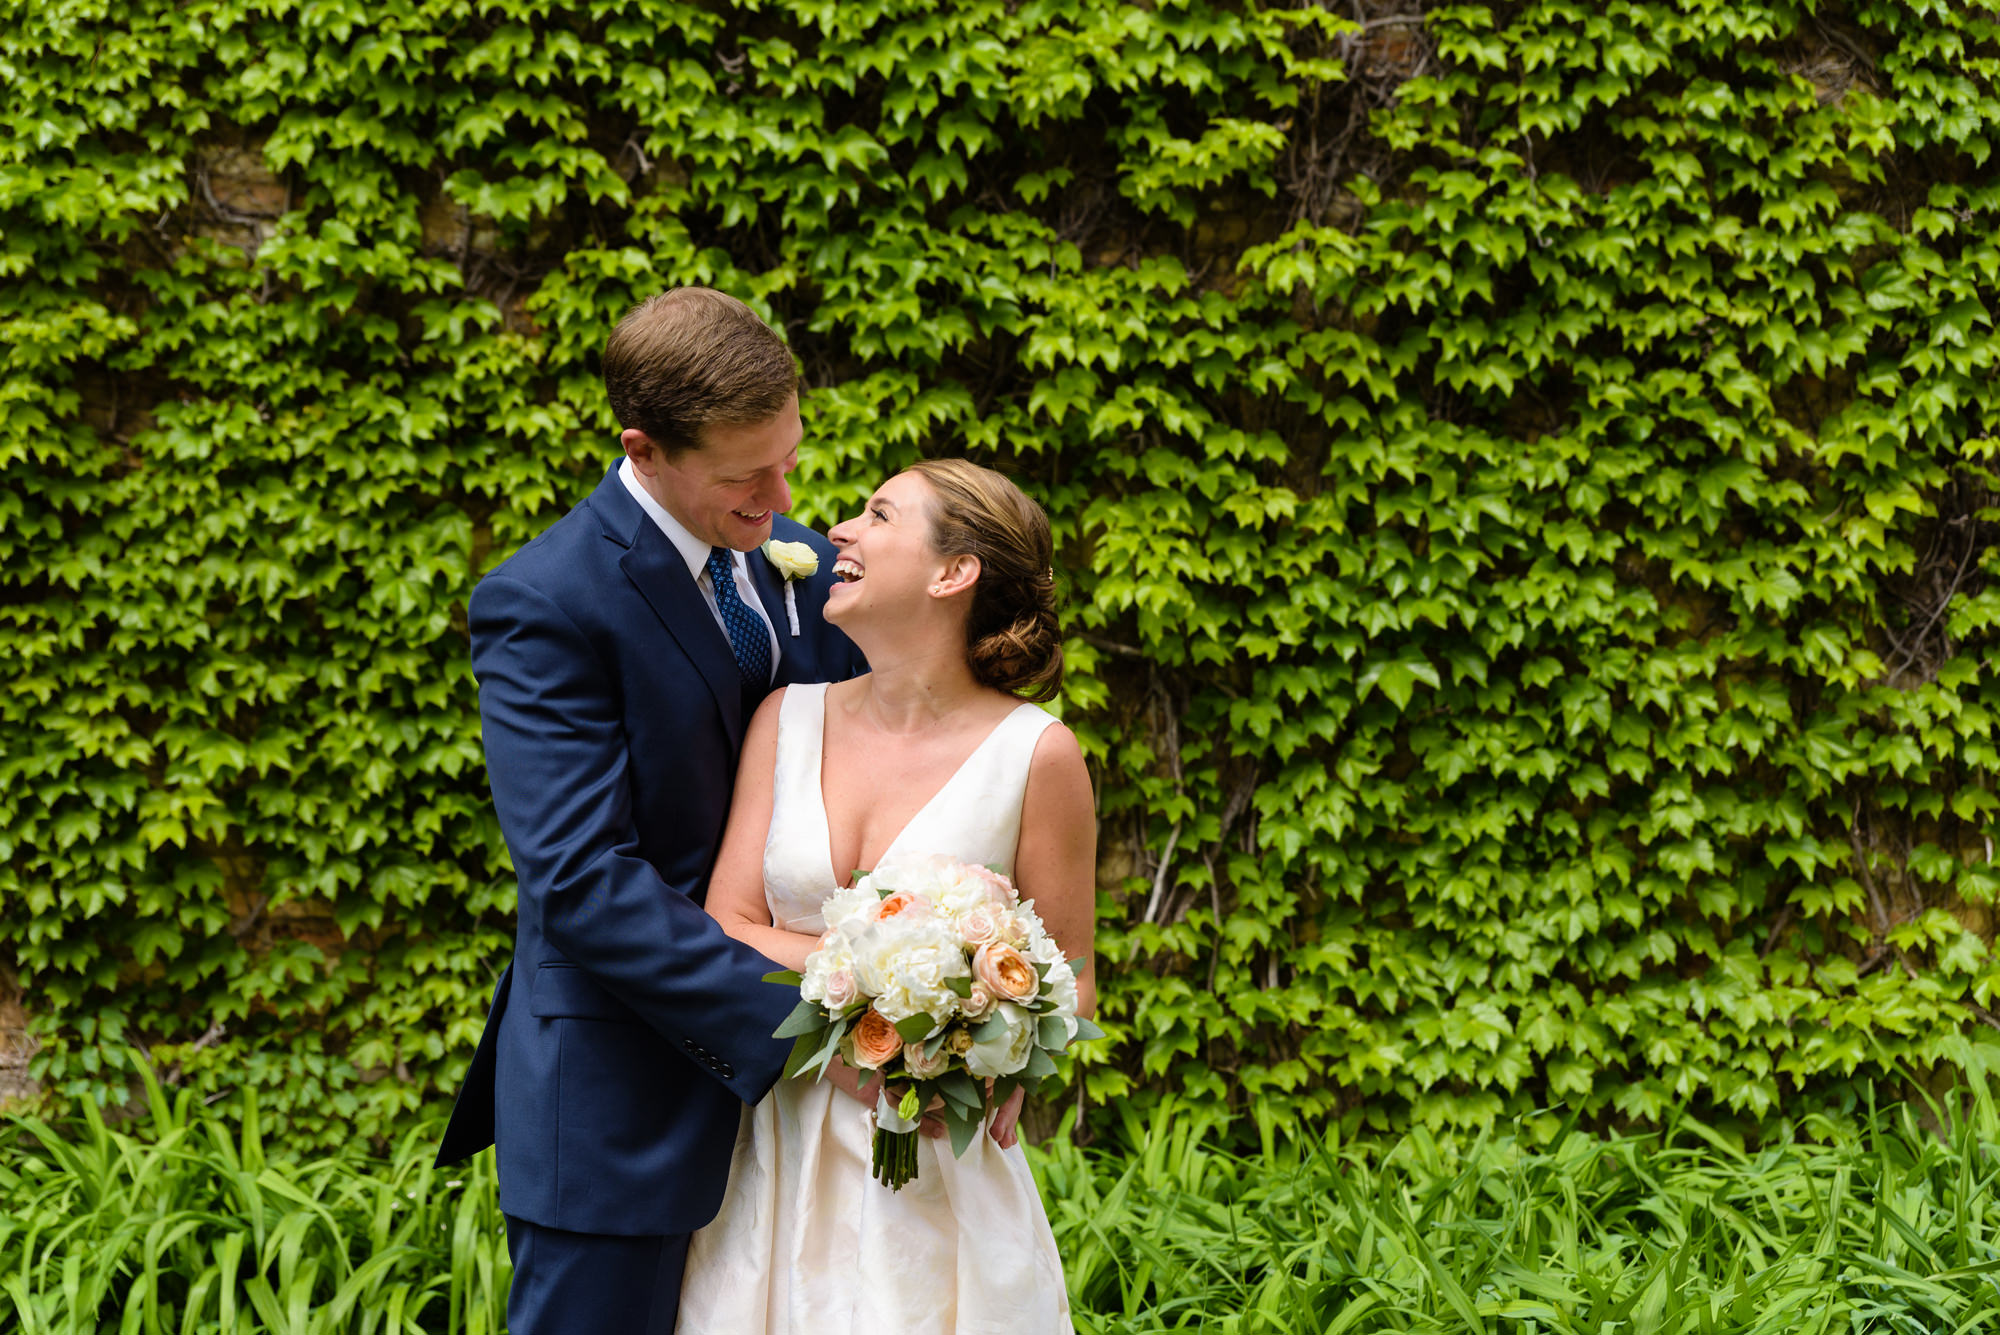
[(760, 739)]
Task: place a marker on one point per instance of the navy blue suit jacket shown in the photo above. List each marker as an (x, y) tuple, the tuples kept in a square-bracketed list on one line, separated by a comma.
[(629, 1031)]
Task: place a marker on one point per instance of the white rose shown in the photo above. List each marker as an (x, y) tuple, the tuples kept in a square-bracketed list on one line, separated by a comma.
[(1008, 1052), (794, 560)]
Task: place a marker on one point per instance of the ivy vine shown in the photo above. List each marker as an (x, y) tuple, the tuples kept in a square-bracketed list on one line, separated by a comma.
[(1524, 476)]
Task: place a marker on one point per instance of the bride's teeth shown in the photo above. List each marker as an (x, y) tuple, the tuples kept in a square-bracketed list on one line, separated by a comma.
[(846, 570)]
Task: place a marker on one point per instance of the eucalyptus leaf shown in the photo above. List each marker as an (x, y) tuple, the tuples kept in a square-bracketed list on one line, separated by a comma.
[(806, 1018)]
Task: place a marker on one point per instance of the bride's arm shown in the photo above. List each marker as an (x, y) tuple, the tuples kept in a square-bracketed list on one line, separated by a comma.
[(1056, 862), (736, 888), (1055, 865)]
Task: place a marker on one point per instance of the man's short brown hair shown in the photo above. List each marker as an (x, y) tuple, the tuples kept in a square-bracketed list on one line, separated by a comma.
[(684, 358)]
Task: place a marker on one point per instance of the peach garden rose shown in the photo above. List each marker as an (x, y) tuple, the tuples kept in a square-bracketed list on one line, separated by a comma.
[(876, 1042), (1005, 972)]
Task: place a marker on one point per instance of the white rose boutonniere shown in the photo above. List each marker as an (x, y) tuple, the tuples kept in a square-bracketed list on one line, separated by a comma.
[(795, 561)]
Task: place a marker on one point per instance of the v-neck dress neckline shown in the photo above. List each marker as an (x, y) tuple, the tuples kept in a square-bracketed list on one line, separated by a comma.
[(975, 817), (888, 852)]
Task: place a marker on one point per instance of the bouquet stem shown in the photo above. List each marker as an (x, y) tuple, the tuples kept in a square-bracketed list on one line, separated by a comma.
[(894, 1162), (895, 1158)]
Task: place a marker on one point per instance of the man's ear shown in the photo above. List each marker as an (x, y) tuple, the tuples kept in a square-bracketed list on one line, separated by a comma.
[(960, 574), (640, 449)]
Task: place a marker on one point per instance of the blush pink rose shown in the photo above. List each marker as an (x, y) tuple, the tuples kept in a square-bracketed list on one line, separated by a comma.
[(976, 1006), (1005, 972), (840, 990), (921, 1068), (980, 925)]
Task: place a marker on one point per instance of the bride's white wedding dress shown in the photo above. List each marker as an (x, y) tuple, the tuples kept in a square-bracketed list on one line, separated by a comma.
[(807, 1242)]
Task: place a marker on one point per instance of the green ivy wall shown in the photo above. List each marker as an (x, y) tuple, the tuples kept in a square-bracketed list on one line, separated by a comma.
[(1523, 474)]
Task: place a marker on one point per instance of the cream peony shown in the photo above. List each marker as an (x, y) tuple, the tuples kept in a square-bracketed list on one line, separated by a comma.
[(1060, 987), (998, 890), (1032, 937), (905, 963), (847, 908)]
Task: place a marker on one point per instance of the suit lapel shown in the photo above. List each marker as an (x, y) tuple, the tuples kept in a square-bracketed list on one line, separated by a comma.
[(770, 586), (661, 577)]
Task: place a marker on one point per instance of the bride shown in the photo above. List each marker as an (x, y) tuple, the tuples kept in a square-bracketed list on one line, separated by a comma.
[(945, 586)]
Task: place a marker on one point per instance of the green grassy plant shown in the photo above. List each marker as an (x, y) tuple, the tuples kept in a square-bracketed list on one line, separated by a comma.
[(183, 1221), (1875, 1225)]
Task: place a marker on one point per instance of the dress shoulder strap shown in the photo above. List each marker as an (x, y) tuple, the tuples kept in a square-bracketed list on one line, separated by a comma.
[(796, 877), (801, 739), (1019, 733), (1006, 777)]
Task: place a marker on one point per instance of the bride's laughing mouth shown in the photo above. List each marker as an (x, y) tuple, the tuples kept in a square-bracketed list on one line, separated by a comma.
[(847, 570)]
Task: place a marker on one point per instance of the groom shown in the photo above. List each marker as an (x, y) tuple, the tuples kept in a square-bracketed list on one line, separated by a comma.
[(619, 657)]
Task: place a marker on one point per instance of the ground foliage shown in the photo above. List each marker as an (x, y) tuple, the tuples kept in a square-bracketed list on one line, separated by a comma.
[(191, 1219), (1522, 475)]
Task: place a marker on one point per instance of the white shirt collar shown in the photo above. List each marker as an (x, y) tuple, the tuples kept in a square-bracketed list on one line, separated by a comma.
[(692, 549)]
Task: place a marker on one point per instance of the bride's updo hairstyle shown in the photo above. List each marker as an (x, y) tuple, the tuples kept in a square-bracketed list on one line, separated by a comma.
[(1012, 641)]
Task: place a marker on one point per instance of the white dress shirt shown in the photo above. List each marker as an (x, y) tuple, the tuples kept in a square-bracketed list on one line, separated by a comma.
[(695, 552)]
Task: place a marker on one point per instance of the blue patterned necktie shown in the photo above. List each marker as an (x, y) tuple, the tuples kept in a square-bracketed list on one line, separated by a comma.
[(748, 636)]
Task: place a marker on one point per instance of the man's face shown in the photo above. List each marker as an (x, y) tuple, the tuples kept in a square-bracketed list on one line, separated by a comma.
[(725, 490)]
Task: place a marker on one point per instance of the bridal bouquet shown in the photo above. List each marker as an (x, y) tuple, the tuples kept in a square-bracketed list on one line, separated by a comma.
[(938, 976)]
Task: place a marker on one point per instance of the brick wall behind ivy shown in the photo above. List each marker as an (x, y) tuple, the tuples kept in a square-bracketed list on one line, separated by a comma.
[(1524, 477)]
